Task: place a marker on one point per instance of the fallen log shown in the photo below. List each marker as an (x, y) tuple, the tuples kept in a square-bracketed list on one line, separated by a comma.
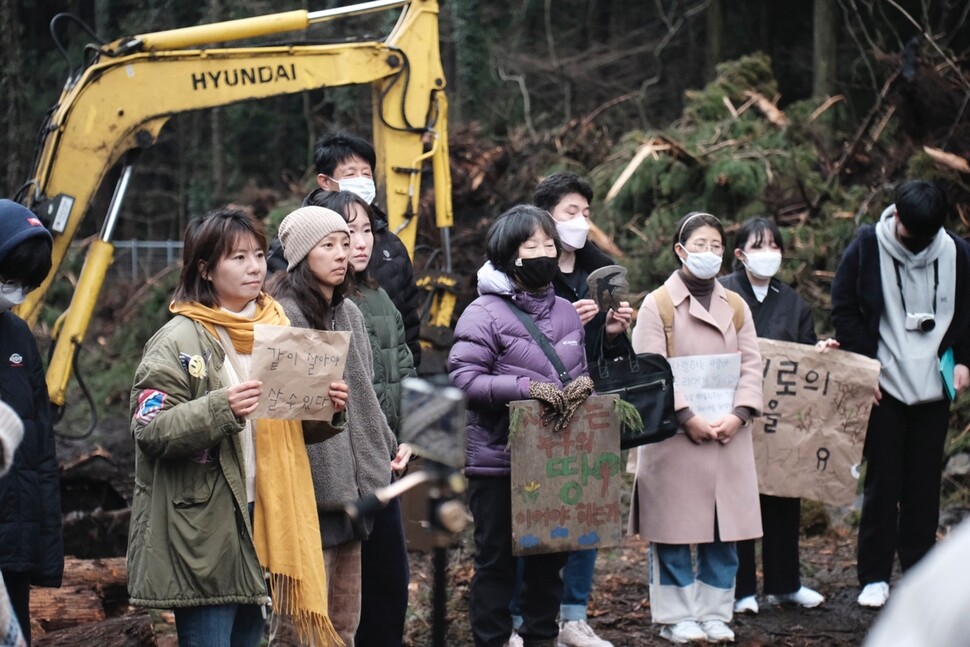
[(68, 606), (97, 574), (91, 590), (126, 631)]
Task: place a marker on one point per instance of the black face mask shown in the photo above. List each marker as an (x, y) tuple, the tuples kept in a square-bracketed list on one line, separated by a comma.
[(535, 273), (916, 244)]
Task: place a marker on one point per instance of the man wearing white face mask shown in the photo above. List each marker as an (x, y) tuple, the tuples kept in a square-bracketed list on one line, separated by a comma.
[(345, 162), (31, 546)]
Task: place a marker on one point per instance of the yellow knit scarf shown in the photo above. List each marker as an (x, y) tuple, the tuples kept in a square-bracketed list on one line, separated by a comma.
[(285, 527)]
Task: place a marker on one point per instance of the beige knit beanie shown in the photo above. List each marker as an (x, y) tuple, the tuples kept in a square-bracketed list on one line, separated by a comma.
[(304, 228)]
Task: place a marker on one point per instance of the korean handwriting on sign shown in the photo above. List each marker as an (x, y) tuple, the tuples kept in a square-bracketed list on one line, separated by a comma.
[(324, 361), (282, 401), (281, 355), (787, 379), (772, 417)]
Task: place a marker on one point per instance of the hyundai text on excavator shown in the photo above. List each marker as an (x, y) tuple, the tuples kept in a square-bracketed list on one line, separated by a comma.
[(118, 103)]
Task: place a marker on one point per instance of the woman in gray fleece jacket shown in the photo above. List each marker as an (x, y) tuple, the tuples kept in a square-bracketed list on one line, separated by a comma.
[(357, 461)]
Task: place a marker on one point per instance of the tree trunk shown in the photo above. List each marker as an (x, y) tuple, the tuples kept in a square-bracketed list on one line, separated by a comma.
[(715, 37), (825, 49), (11, 80), (216, 122), (472, 61)]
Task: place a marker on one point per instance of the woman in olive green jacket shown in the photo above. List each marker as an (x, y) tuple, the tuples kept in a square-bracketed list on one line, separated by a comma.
[(209, 534)]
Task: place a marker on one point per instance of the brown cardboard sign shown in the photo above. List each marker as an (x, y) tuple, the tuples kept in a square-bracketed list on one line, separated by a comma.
[(565, 485), (808, 441), (297, 366)]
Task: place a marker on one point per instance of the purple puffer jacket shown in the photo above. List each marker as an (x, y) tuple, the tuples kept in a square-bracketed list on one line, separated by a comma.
[(494, 359)]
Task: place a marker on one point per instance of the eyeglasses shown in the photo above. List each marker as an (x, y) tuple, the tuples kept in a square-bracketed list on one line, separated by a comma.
[(704, 246)]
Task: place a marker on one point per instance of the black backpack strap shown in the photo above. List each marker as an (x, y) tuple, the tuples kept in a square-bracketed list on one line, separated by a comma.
[(541, 339)]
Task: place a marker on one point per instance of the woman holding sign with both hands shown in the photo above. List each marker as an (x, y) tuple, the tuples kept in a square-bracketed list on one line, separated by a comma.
[(220, 500), (383, 557), (700, 486), (314, 293)]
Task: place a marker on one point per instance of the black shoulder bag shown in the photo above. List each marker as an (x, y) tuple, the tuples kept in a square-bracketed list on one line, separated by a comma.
[(646, 382)]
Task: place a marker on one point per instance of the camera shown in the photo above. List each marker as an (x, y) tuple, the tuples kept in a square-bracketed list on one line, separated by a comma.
[(921, 321)]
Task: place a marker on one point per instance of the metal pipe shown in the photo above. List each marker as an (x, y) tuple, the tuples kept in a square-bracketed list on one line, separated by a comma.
[(114, 208), (354, 10)]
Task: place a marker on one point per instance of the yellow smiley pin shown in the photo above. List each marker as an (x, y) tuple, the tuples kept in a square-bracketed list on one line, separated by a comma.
[(197, 366)]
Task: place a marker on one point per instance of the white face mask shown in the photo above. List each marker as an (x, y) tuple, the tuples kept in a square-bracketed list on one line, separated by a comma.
[(702, 265), (361, 186), (11, 296), (762, 265), (572, 233)]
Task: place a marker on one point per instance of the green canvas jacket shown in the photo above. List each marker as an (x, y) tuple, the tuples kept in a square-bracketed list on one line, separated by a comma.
[(190, 542)]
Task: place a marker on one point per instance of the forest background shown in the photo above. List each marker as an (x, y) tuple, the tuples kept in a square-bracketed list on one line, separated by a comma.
[(807, 112)]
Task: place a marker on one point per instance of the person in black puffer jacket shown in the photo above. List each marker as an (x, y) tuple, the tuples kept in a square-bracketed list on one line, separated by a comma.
[(31, 544), (345, 162)]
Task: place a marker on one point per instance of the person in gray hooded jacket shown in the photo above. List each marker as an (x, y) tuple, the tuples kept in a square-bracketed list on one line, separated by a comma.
[(898, 297), (357, 462)]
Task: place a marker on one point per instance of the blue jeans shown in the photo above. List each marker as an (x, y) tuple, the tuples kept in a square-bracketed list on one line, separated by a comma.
[(220, 625), (717, 564), (678, 592), (577, 581)]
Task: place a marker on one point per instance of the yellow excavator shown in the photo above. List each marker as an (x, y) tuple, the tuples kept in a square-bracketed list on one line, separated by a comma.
[(118, 103)]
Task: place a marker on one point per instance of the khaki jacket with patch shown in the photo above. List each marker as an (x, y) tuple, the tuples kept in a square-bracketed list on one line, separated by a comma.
[(190, 542)]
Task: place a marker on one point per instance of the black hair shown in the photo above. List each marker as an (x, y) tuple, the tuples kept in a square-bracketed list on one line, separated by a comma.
[(208, 240), (551, 190), (921, 206), (333, 148), (341, 202), (28, 263), (695, 220), (513, 228), (753, 230)]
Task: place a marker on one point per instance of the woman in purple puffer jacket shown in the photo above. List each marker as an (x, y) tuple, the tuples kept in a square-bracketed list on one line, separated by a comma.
[(495, 360)]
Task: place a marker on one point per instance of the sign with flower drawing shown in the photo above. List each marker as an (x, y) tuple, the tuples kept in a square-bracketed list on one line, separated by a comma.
[(565, 484)]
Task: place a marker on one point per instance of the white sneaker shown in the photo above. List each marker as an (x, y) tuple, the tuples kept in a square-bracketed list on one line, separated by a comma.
[(803, 597), (577, 633), (684, 631), (515, 640), (746, 605), (874, 595), (717, 631)]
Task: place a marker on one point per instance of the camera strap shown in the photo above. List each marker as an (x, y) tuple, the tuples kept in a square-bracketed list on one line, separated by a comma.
[(936, 283)]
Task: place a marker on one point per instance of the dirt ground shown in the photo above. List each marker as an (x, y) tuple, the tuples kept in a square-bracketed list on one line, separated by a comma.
[(619, 609)]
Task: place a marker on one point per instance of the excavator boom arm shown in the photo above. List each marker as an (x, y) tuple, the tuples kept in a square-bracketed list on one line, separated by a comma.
[(122, 101)]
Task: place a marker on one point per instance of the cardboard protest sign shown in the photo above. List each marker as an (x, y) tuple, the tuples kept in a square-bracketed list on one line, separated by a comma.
[(566, 484), (707, 382), (297, 366), (808, 442)]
